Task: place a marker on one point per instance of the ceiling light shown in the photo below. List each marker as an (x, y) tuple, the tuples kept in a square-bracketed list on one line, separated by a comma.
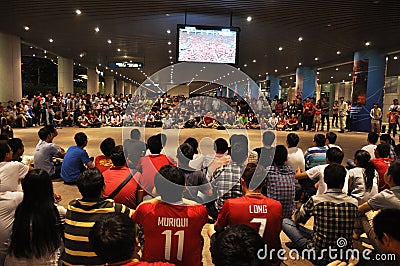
[(338, 52), (169, 43), (171, 62), (343, 81), (299, 63), (331, 77), (259, 75), (337, 69), (45, 51), (367, 43), (51, 40), (78, 12), (286, 84), (317, 72), (350, 74), (254, 60), (329, 82), (168, 31), (291, 78), (26, 28), (125, 56), (245, 65), (249, 19), (112, 70), (395, 57), (316, 59), (81, 55), (109, 41), (31, 47), (99, 64), (34, 55), (280, 48), (170, 57), (276, 70), (169, 51), (300, 39), (97, 29), (287, 67), (118, 50)]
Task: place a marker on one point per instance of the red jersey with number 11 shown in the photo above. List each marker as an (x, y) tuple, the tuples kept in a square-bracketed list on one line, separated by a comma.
[(172, 232)]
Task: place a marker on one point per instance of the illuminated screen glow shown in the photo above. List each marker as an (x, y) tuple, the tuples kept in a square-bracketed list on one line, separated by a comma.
[(214, 45)]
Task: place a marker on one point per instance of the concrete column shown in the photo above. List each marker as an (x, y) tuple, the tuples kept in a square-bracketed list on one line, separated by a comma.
[(120, 87), (274, 87), (306, 79), (92, 81), (126, 88), (10, 68), (108, 85), (65, 75)]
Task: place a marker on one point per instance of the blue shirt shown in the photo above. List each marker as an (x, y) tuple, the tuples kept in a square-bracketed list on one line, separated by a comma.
[(73, 163), (315, 156)]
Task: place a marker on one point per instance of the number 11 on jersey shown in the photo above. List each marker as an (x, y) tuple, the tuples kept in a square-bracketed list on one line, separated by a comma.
[(168, 238)]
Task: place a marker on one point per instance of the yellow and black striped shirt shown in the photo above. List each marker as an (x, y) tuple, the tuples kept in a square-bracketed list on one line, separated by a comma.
[(79, 219)]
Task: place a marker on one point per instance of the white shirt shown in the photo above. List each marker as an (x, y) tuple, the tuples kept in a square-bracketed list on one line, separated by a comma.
[(334, 146), (295, 158), (370, 148), (11, 174), (317, 172), (358, 191)]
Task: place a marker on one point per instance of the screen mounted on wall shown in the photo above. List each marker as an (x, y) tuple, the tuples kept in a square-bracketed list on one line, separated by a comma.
[(207, 44)]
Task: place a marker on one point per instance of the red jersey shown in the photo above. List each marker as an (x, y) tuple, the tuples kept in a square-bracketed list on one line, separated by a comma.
[(172, 232), (260, 213), (308, 109), (113, 177), (381, 166), (149, 166), (103, 163)]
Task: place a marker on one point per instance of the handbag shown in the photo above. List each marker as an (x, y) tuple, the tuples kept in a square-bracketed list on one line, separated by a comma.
[(121, 186)]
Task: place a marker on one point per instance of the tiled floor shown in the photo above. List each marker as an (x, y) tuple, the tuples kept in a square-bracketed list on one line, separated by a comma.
[(350, 142)]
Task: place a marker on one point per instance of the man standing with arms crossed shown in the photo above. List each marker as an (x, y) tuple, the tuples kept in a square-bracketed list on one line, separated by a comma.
[(342, 114), (376, 117)]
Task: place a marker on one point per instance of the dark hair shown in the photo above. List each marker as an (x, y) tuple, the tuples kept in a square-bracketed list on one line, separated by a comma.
[(254, 176), (385, 221), (194, 143), (117, 156), (134, 150), (320, 140), (331, 137), (237, 245), (51, 128), (335, 155), (383, 150), (363, 158), (43, 133), (4, 149), (106, 146), (113, 238), (36, 230), (185, 153), (90, 183), (292, 139), (80, 139), (280, 156), (163, 138), (239, 153), (15, 144), (334, 175), (387, 139), (394, 172), (154, 144), (220, 145), (170, 182), (268, 138), (373, 137), (135, 134)]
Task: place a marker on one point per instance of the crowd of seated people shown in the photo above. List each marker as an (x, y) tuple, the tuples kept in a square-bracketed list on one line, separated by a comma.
[(97, 110), (248, 197)]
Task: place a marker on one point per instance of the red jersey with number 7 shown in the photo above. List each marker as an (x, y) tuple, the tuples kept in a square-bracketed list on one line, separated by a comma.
[(258, 212), (172, 232)]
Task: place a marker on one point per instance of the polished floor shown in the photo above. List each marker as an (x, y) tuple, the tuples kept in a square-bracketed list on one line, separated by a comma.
[(350, 142)]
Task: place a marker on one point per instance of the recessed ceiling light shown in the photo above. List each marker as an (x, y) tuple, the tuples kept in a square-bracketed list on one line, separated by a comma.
[(99, 64), (26, 28), (337, 69), (266, 73), (300, 39), (316, 59), (367, 43), (286, 84), (169, 43), (97, 29), (81, 55), (168, 31), (45, 51), (280, 48), (245, 65), (34, 55), (317, 72), (45, 56), (329, 82), (249, 19), (287, 67), (350, 74), (338, 52), (299, 63), (78, 12), (254, 60), (169, 51), (291, 78), (51, 40), (329, 25), (259, 75), (331, 77), (276, 70), (125, 56), (118, 50), (109, 41), (31, 47), (112, 70), (395, 57), (171, 62), (343, 81)]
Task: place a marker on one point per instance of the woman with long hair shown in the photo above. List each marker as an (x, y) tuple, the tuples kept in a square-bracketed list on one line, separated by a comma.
[(37, 230), (363, 179)]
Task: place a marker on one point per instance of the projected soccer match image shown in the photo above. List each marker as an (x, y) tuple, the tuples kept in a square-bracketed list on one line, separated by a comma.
[(211, 45)]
